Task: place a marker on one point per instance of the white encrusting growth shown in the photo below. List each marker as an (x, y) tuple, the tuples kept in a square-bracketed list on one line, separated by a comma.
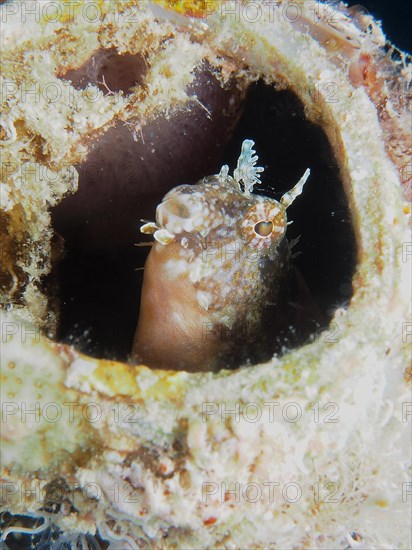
[(10, 130)]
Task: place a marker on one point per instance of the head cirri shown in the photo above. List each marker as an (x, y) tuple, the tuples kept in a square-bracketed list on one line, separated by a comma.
[(221, 210)]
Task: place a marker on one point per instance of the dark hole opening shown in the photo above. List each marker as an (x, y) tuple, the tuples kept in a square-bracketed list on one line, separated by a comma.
[(109, 71), (100, 288)]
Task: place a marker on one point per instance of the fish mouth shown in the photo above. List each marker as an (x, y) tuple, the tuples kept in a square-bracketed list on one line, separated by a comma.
[(182, 213)]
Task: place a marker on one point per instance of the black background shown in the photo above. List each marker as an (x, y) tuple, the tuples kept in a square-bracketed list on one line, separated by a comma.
[(396, 16)]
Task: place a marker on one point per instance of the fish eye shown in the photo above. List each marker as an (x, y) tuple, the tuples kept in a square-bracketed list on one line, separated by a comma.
[(263, 228), (264, 224)]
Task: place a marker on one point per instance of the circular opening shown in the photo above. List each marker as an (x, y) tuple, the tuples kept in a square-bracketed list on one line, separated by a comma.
[(100, 285)]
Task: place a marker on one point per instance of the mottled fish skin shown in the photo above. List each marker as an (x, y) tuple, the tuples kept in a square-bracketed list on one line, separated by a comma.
[(217, 254)]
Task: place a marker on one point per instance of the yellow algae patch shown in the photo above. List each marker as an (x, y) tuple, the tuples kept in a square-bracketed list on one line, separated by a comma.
[(65, 12), (137, 382), (191, 8)]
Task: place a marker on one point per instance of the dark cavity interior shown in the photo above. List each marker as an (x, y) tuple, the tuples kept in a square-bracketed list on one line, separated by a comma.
[(110, 72), (100, 275)]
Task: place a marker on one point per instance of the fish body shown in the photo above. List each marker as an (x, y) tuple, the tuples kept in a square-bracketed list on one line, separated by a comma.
[(218, 252)]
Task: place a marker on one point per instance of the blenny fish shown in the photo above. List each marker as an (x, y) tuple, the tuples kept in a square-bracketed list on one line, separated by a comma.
[(218, 253)]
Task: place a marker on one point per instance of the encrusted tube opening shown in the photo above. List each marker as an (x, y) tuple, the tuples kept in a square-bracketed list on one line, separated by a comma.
[(101, 275)]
